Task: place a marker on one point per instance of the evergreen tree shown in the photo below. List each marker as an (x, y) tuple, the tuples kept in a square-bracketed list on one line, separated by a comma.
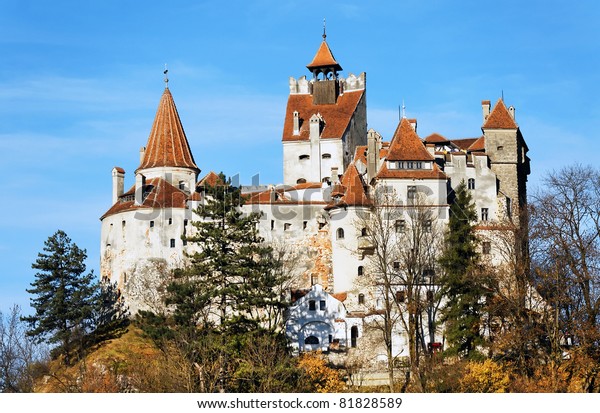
[(463, 285), (64, 299), (111, 315), (225, 299), (231, 282), (72, 310)]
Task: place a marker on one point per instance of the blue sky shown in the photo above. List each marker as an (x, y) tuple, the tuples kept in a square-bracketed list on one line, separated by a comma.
[(80, 83)]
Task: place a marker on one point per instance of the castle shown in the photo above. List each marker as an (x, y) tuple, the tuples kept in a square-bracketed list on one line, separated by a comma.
[(335, 174)]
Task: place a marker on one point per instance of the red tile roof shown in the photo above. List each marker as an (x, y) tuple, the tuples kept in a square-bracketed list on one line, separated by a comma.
[(167, 144), (161, 195), (465, 143), (119, 169), (211, 179), (265, 196), (435, 138), (478, 145), (324, 58), (500, 118), (352, 189), (406, 145), (336, 117)]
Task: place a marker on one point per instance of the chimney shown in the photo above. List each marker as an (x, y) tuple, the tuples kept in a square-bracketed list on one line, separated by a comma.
[(142, 152), (296, 124), (413, 123), (485, 107), (315, 127), (372, 155), (335, 178), (511, 110), (118, 183), (140, 184)]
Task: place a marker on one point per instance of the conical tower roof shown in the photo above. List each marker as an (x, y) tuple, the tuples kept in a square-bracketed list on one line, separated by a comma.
[(324, 58), (167, 144)]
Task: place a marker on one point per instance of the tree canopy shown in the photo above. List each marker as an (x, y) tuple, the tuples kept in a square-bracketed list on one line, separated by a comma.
[(70, 304)]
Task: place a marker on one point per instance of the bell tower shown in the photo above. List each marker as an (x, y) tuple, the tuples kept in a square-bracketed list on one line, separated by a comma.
[(324, 68)]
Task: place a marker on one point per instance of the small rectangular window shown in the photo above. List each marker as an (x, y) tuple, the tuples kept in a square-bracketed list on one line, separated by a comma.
[(272, 224), (411, 192), (322, 305), (400, 296), (304, 224), (287, 226), (151, 224), (170, 221), (396, 265), (312, 305), (484, 214), (400, 225), (172, 242), (486, 247)]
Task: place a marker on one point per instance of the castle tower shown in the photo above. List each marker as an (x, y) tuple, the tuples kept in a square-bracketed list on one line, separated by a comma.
[(507, 152), (141, 233), (326, 118)]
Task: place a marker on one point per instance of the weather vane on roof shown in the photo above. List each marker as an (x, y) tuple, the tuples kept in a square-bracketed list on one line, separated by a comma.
[(324, 32), (166, 76)]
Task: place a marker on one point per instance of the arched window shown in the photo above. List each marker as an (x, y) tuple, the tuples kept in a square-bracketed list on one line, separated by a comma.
[(361, 298), (340, 233), (311, 340), (301, 181), (471, 183), (363, 232), (361, 270)]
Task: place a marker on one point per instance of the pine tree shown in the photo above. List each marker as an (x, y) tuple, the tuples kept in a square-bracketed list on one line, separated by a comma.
[(225, 299), (462, 284), (231, 281), (111, 315), (64, 299), (72, 309)]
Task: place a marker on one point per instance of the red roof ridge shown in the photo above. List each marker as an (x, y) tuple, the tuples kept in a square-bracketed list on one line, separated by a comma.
[(167, 144), (500, 118)]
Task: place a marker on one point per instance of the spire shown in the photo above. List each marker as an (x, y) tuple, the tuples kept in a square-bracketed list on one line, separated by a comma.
[(324, 61), (167, 144), (166, 77)]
